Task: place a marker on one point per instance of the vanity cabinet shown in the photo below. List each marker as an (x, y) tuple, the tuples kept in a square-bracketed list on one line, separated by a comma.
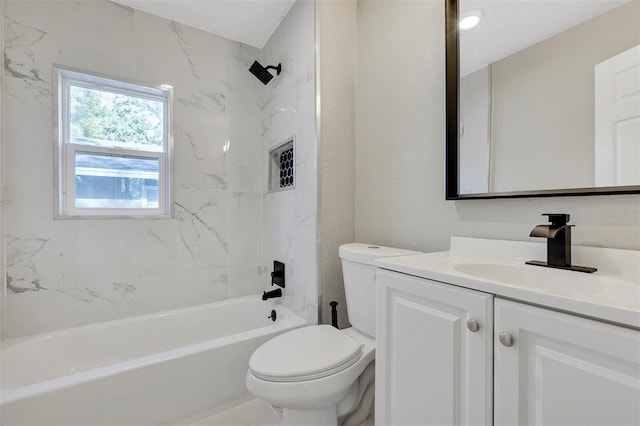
[(563, 369), (434, 353), (533, 366)]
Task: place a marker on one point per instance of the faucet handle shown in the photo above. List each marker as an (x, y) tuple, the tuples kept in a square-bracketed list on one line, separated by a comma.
[(277, 276), (558, 219)]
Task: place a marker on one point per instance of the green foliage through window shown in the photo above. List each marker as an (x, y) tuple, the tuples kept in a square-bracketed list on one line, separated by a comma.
[(107, 116)]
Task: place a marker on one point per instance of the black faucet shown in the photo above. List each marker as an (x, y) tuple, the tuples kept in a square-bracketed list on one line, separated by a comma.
[(271, 294), (277, 278), (558, 235)]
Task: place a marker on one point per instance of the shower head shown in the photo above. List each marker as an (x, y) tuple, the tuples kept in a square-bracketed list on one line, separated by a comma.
[(261, 72)]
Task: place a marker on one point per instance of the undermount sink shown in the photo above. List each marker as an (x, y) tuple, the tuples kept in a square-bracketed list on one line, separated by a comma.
[(554, 280), (508, 273), (498, 267)]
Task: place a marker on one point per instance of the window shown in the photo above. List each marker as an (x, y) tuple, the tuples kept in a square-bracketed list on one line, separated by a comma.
[(113, 147)]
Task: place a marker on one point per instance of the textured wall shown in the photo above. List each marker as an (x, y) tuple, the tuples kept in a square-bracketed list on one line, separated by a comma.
[(400, 148), (64, 273), (290, 218), (336, 168)]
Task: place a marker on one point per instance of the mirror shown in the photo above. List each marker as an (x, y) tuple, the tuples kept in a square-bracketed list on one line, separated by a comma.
[(543, 98)]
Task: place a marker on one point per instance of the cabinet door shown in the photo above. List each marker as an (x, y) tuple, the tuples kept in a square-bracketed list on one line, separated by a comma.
[(564, 370), (431, 369)]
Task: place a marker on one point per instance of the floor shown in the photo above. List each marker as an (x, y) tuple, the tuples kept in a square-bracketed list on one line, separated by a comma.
[(252, 413)]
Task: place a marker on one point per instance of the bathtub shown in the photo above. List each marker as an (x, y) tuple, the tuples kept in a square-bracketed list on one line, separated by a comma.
[(174, 367)]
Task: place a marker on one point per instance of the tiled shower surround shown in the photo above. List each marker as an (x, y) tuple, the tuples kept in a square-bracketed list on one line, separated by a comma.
[(63, 273), (290, 218)]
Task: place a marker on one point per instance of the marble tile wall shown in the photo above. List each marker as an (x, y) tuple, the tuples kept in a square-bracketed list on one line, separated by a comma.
[(3, 287), (63, 273), (290, 219)]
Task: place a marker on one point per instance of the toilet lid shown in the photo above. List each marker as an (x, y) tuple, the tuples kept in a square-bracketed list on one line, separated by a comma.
[(304, 354)]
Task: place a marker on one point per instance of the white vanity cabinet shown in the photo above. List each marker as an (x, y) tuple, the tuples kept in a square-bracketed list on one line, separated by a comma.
[(553, 368), (524, 365), (434, 353)]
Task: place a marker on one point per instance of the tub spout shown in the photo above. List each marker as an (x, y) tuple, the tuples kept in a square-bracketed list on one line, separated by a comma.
[(271, 294)]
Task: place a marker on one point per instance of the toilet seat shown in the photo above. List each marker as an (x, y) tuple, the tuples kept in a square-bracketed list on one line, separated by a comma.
[(305, 354)]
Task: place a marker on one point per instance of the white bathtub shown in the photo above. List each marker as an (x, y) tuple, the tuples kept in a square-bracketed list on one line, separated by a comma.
[(174, 367)]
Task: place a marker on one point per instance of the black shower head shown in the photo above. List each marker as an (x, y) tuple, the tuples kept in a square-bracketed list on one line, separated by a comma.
[(261, 72)]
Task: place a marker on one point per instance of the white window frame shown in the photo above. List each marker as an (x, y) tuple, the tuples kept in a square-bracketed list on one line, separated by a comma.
[(65, 151)]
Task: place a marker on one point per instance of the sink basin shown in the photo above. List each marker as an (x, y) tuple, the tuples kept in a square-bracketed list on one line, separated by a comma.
[(498, 267), (525, 275), (568, 283)]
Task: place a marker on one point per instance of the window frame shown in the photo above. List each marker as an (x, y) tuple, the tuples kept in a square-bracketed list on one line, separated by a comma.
[(65, 150)]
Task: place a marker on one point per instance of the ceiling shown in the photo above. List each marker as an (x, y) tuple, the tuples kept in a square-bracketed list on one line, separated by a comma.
[(508, 26), (525, 22), (248, 21)]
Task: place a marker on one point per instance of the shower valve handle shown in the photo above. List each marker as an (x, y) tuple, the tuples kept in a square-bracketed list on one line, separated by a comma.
[(277, 276)]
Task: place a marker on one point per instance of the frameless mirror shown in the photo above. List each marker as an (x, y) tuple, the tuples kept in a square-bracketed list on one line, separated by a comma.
[(543, 97)]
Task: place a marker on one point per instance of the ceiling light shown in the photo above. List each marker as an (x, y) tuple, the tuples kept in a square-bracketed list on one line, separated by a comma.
[(470, 20)]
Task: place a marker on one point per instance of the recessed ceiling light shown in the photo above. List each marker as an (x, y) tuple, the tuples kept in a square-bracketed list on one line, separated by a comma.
[(470, 20)]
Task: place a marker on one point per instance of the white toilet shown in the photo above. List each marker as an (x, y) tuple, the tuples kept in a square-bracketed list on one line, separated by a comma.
[(319, 374)]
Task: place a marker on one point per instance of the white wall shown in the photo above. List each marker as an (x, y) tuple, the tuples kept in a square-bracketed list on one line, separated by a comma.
[(336, 168), (290, 217), (64, 273), (551, 144), (475, 134), (400, 148)]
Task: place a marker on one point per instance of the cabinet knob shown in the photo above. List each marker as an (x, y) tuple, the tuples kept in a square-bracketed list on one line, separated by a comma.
[(473, 325), (506, 339)]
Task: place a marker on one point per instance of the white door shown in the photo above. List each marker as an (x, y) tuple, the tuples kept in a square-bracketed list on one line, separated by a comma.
[(617, 120), (431, 369), (564, 370)]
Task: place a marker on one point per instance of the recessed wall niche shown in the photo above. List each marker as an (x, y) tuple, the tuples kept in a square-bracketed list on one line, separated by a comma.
[(282, 166)]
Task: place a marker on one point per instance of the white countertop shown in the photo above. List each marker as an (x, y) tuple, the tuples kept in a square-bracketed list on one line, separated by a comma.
[(611, 294)]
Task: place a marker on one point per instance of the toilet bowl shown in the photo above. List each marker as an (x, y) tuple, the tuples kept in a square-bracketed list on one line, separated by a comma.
[(324, 366), (319, 374)]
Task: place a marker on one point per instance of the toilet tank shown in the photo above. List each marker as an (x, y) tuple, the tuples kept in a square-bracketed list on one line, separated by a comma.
[(359, 273)]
